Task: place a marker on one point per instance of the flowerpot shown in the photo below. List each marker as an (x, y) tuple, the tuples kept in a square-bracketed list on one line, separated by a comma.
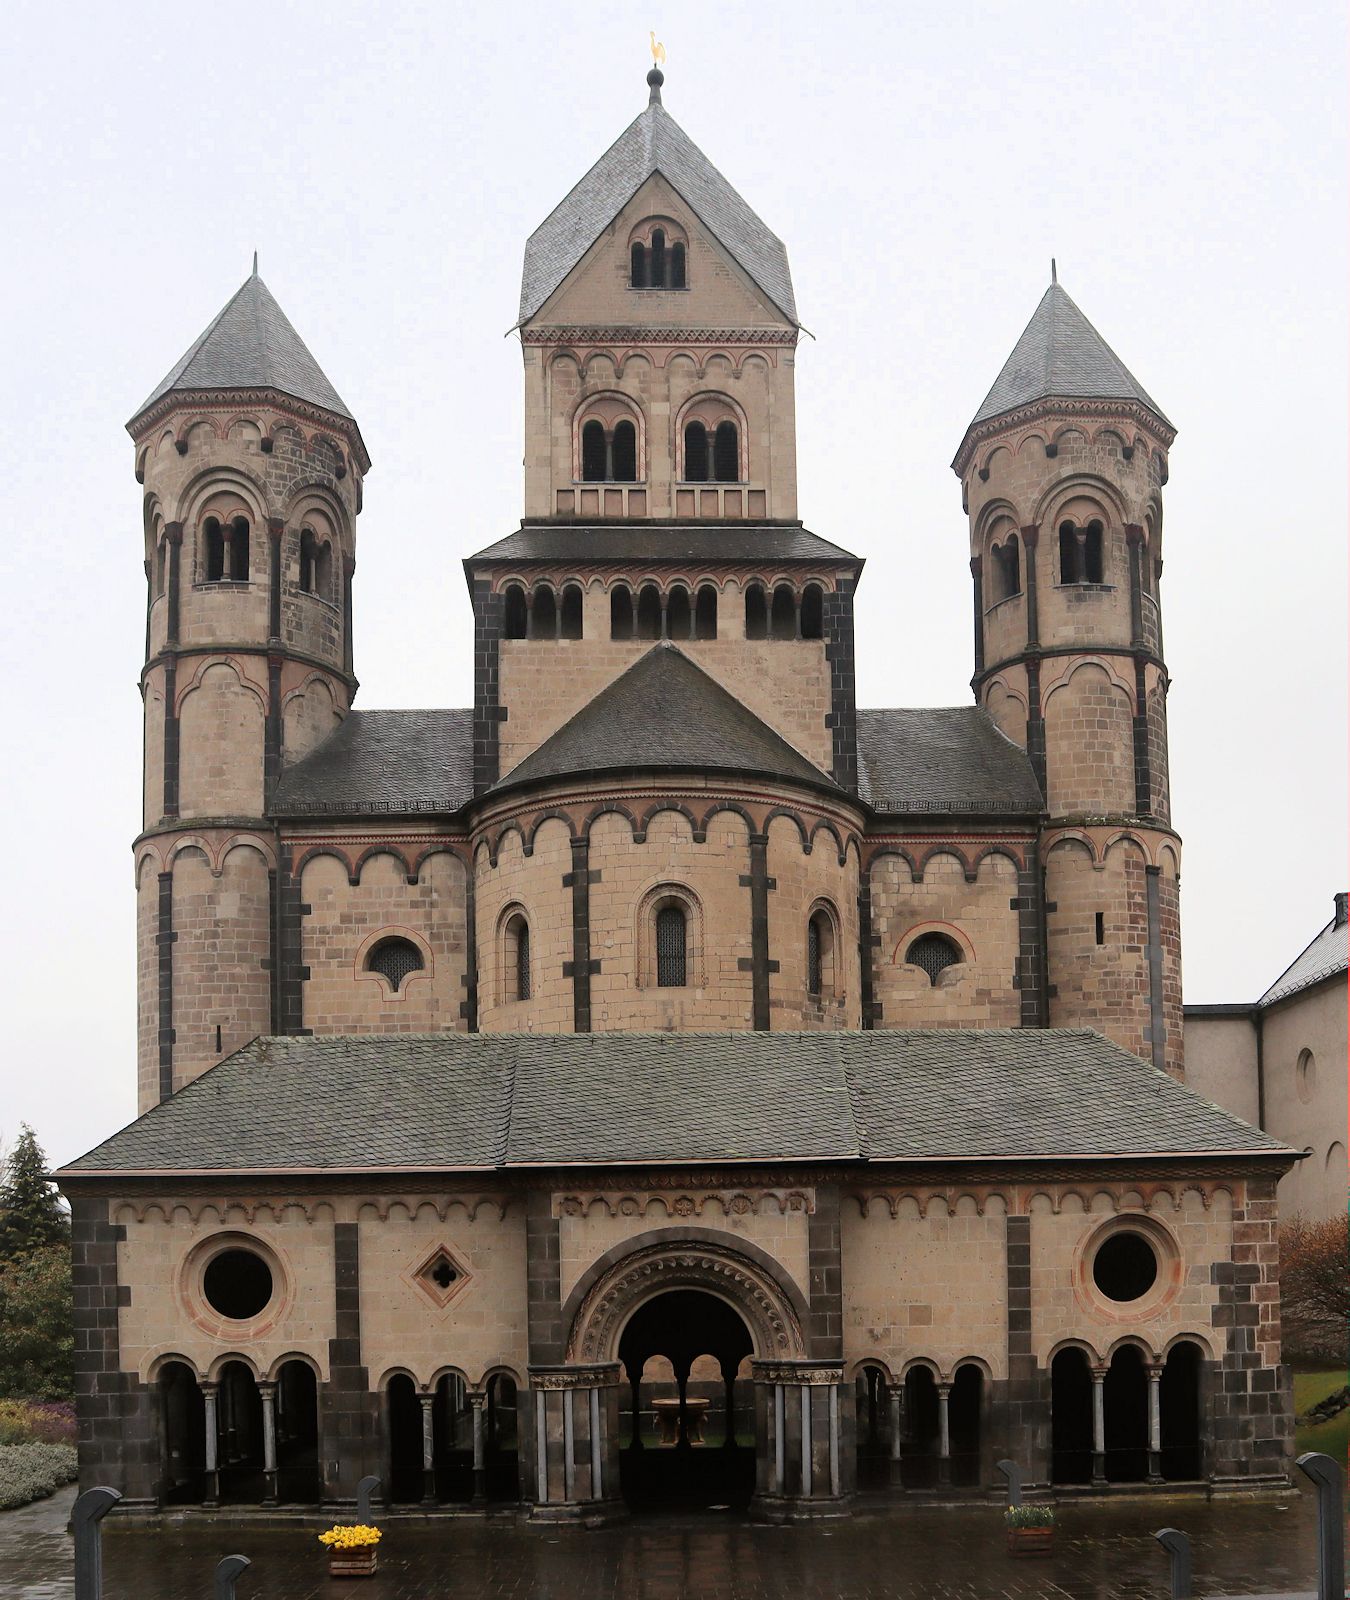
[(1030, 1541), (352, 1563)]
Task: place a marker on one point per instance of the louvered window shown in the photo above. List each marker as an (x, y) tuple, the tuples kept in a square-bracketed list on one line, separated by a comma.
[(396, 959), (934, 953), (671, 940)]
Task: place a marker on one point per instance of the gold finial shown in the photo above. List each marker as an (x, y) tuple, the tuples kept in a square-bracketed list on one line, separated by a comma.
[(658, 49)]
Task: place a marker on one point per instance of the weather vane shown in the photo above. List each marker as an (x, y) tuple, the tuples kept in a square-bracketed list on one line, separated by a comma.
[(658, 49)]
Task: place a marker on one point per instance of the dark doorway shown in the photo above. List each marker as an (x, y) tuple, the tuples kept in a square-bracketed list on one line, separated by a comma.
[(297, 1424), (452, 1439), (403, 1415), (1070, 1418), (963, 1421), (919, 1443), (240, 1434), (502, 1423), (182, 1435), (1180, 1402), (872, 1420), (688, 1425), (1126, 1400)]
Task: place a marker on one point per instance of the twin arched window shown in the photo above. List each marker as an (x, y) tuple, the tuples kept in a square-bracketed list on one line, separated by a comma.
[(609, 454), (541, 614), (1005, 569), (662, 616), (784, 614), (1080, 553), (657, 261), (225, 550), (712, 457), (316, 565)]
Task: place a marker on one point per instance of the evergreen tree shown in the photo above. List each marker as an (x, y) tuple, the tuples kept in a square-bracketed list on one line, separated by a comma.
[(31, 1216)]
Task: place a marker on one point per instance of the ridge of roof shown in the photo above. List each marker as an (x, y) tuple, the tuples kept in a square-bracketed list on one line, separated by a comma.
[(1060, 354), (652, 142), (665, 712), (250, 344), (1326, 956)]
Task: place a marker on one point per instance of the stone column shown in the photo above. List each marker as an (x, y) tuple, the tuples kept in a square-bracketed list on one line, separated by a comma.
[(895, 1393), (428, 1401), (1154, 1424), (569, 1449), (477, 1403), (562, 1433), (806, 1439), (779, 1439), (944, 1393), (267, 1393), (808, 1434), (1098, 1425), (597, 1468), (210, 1392)]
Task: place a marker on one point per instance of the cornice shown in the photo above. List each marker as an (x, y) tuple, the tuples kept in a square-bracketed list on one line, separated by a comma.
[(232, 399), (1059, 406), (634, 335)]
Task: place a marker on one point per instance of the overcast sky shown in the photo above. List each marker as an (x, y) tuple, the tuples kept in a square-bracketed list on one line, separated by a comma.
[(1184, 162)]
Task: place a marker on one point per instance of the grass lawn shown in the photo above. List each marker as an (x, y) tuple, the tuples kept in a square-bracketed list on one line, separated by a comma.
[(1331, 1438)]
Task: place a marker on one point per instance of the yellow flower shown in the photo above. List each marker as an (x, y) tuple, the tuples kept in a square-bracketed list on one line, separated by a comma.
[(348, 1537)]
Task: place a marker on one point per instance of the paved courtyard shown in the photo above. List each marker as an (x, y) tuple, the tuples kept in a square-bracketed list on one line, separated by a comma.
[(1105, 1553)]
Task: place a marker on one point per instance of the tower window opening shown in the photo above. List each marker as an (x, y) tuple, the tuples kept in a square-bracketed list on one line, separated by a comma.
[(1092, 553), (658, 277), (756, 613), (671, 943), (677, 275), (624, 453), (593, 452), (396, 960), (517, 612), (518, 958), (695, 453), (621, 612), (236, 551), (1080, 553), (1101, 927), (705, 613), (637, 275), (679, 615), (649, 612), (933, 953), (1006, 574), (783, 619), (658, 260), (726, 453), (544, 614), (214, 539), (570, 623), (813, 612)]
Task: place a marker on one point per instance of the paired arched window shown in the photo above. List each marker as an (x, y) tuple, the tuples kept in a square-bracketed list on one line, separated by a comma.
[(1080, 553), (1005, 570), (784, 614), (541, 613), (225, 550), (658, 259), (608, 454), (712, 457), (316, 565), (672, 946), (933, 953), (395, 960), (516, 957), (821, 947), (675, 615)]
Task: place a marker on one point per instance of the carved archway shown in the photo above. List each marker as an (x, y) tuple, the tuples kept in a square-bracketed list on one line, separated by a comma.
[(749, 1280)]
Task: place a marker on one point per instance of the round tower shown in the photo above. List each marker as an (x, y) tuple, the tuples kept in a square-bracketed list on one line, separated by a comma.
[(1062, 472), (252, 469)]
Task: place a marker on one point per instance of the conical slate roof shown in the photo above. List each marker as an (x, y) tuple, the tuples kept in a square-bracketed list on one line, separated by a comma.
[(251, 345), (665, 713), (1060, 353), (652, 142)]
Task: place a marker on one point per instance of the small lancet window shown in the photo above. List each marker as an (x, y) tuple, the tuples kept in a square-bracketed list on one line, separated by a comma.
[(543, 614), (813, 612), (570, 623), (517, 612), (621, 612), (679, 614), (518, 958), (658, 278), (593, 452), (395, 960), (705, 613), (671, 947), (783, 618), (695, 453), (214, 539), (756, 613), (934, 953), (726, 453), (649, 612), (624, 449), (637, 277)]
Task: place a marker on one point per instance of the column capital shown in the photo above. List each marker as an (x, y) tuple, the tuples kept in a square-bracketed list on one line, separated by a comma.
[(976, 566), (477, 1398), (427, 1401), (944, 1387), (818, 1374), (276, 526), (1134, 534), (1031, 534), (208, 1387), (1099, 1374), (267, 1387), (591, 1375), (173, 532)]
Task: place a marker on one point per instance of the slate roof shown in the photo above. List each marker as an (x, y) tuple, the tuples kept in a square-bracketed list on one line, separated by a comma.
[(652, 142), (947, 758), (654, 542), (395, 761), (665, 713), (251, 345), (454, 1102), (1060, 353), (1326, 957)]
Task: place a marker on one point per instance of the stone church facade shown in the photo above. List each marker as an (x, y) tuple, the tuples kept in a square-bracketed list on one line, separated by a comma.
[(662, 1078)]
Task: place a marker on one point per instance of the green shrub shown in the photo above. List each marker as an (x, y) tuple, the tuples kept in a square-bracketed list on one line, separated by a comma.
[(1030, 1516), (33, 1471)]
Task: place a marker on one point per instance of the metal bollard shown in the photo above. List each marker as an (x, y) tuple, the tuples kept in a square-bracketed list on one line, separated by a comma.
[(88, 1511), (1178, 1548), (366, 1490), (1013, 1473), (1324, 1472), (226, 1573)]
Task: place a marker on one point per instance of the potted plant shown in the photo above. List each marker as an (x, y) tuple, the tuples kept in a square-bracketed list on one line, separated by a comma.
[(1031, 1530), (351, 1550)]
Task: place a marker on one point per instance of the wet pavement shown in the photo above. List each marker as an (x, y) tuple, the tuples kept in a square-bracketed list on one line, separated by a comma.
[(1103, 1552)]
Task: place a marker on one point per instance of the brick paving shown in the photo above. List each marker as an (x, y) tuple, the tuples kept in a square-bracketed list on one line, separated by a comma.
[(1104, 1553)]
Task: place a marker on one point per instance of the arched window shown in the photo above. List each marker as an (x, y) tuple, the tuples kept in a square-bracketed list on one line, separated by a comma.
[(658, 256), (695, 453), (621, 612), (213, 551), (570, 627), (934, 953), (236, 553), (517, 613), (624, 453), (813, 612), (593, 452), (820, 953), (1092, 554), (649, 612), (705, 614), (1080, 553), (323, 570), (679, 617), (677, 266), (1005, 570), (672, 933), (395, 960), (658, 278), (756, 613), (517, 958), (307, 562), (544, 614), (726, 453), (637, 277), (783, 620)]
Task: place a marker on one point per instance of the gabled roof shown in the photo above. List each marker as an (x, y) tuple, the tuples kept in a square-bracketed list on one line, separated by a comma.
[(1326, 957), (457, 1102), (386, 761), (1061, 354), (653, 142), (941, 758), (658, 541), (663, 714), (251, 345)]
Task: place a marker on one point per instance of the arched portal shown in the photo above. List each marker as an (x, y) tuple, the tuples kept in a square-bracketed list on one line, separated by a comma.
[(182, 1415), (1126, 1403), (966, 1405), (240, 1436), (919, 1445), (297, 1434), (1070, 1418), (872, 1425), (403, 1424), (685, 1426), (1180, 1412), (502, 1433)]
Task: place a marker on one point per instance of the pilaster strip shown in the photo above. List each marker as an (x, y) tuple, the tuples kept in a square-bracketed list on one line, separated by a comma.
[(488, 712), (348, 1443), (543, 1265), (580, 877), (1031, 961), (867, 951), (291, 975), (1157, 1027), (173, 532), (348, 651), (841, 658), (977, 587), (825, 1275), (165, 938), (1143, 764), (1031, 538), (171, 739), (275, 529), (1036, 725), (272, 727), (758, 883)]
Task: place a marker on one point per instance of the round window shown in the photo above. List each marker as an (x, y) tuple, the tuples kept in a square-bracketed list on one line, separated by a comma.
[(1125, 1267), (237, 1284)]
